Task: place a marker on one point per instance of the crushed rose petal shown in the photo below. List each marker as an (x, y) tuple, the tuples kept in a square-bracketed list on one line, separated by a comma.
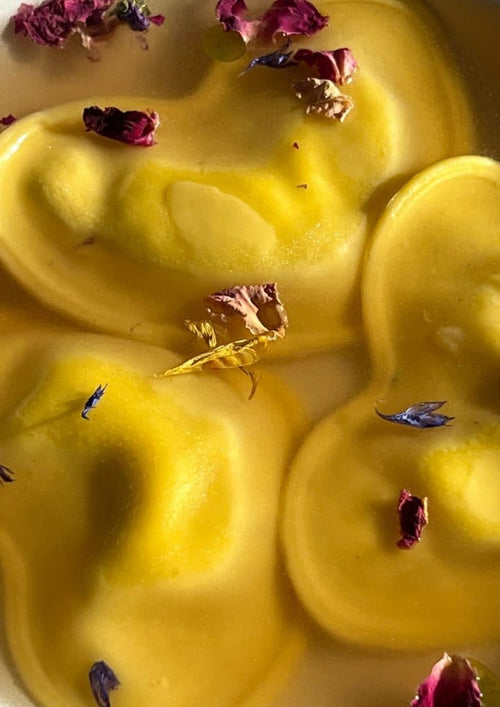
[(452, 682), (284, 17), (7, 120), (338, 65), (133, 127), (413, 515), (291, 18), (137, 15), (232, 16), (52, 22), (258, 306), (324, 98)]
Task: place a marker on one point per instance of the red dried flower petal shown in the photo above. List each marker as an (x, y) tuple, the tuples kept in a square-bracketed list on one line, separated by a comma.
[(451, 683), (7, 120), (413, 516), (337, 66), (292, 17), (157, 19), (286, 17), (259, 307), (232, 15), (51, 23), (132, 127)]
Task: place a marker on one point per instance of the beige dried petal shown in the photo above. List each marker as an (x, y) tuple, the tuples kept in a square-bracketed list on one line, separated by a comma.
[(258, 306), (324, 98)]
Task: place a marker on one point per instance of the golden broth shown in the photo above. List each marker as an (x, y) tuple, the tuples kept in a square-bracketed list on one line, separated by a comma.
[(33, 78)]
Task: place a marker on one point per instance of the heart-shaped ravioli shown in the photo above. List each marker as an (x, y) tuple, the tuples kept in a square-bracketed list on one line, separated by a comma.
[(391, 530)]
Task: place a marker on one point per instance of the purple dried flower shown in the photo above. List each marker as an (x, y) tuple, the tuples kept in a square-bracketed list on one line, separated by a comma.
[(338, 65), (137, 15), (102, 680), (6, 474), (279, 59), (452, 683), (420, 415), (413, 515), (133, 127)]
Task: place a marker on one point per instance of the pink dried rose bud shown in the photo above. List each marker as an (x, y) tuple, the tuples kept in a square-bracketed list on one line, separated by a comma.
[(284, 17), (52, 22), (452, 683), (258, 307), (133, 127), (324, 98), (338, 65), (413, 516)]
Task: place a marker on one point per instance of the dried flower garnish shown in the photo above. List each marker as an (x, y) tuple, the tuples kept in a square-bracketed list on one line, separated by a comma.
[(236, 354), (420, 415), (413, 515), (133, 127), (6, 474), (204, 330), (7, 120), (136, 14), (292, 17), (258, 306), (53, 21), (451, 683), (284, 17), (93, 400), (324, 98), (232, 16), (338, 65), (279, 59), (102, 680)]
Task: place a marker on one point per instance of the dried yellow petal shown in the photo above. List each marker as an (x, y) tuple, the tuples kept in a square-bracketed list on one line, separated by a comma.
[(324, 98)]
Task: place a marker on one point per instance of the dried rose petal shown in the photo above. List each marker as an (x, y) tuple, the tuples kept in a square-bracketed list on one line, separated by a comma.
[(324, 98), (259, 307), (54, 21), (452, 683), (134, 127), (337, 66), (284, 17), (232, 15), (7, 120), (413, 515), (292, 17), (137, 15)]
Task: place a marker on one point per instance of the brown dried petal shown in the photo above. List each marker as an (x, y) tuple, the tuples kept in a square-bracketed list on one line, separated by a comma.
[(324, 98), (259, 307)]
